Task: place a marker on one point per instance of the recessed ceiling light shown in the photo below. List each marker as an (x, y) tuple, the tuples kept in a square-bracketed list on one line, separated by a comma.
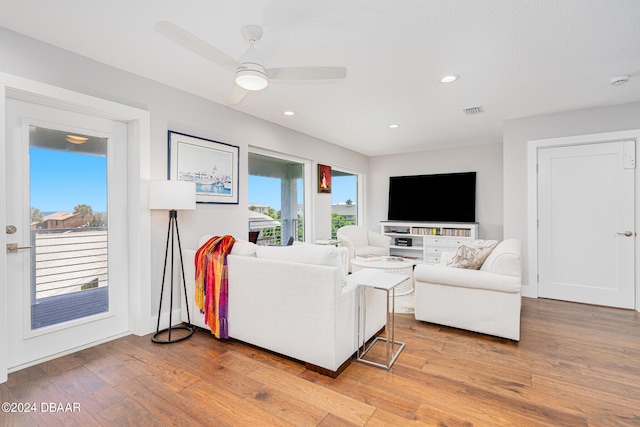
[(289, 113), (449, 79), (394, 126)]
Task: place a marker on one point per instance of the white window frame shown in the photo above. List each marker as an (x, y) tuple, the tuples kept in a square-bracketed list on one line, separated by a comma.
[(359, 192), (308, 199)]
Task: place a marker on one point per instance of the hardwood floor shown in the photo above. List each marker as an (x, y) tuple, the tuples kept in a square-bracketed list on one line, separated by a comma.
[(575, 365)]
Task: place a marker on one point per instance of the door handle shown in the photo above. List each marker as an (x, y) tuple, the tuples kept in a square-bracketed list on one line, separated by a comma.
[(626, 233), (13, 248)]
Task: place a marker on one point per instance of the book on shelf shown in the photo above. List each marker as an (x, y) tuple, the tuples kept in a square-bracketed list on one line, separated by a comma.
[(456, 232), (426, 231), (395, 259), (368, 257)]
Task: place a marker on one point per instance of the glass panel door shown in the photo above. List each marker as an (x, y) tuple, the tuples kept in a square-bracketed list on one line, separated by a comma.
[(68, 274), (68, 199)]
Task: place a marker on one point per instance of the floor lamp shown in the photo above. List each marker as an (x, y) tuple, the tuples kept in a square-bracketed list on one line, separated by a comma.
[(172, 196)]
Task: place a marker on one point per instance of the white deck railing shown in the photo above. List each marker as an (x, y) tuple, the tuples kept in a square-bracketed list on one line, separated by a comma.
[(67, 260)]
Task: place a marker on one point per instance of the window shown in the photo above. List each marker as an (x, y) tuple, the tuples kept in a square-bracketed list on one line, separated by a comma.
[(276, 199), (344, 200)]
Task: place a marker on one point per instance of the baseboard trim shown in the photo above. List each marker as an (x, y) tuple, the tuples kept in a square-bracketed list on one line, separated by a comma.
[(66, 352)]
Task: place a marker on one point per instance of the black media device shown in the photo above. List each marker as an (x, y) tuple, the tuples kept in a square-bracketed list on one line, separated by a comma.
[(449, 197), (403, 241)]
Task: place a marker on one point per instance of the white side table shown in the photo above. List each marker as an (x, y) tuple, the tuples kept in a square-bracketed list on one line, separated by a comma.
[(390, 265), (381, 280)]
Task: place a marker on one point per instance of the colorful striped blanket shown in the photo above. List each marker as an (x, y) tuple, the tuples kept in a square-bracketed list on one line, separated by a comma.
[(212, 283)]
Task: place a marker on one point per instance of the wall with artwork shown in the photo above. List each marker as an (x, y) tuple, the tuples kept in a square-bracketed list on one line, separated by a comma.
[(184, 113), (188, 114)]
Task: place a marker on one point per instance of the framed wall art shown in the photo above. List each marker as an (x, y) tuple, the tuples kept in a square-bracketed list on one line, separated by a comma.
[(324, 179), (212, 165)]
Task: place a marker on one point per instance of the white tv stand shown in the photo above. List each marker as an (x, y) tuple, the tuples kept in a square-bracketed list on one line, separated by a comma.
[(428, 239)]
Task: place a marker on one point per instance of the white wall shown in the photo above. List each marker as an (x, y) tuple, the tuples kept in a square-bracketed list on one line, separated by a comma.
[(518, 132), (486, 160), (171, 109)]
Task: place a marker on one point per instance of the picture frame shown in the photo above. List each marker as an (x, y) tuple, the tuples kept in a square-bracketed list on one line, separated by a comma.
[(324, 179), (212, 165)]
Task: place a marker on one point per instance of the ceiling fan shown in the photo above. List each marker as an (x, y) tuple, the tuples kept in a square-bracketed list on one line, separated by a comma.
[(250, 73)]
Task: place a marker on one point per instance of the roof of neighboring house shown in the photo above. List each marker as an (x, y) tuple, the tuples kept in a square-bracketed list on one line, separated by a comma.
[(59, 216)]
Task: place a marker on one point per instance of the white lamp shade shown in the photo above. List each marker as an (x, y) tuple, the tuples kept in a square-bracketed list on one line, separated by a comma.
[(172, 195)]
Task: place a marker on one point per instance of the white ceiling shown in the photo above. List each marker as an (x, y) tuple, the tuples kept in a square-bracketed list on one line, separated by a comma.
[(514, 58)]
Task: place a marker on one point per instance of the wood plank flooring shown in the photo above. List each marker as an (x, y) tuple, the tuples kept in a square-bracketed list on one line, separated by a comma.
[(576, 365)]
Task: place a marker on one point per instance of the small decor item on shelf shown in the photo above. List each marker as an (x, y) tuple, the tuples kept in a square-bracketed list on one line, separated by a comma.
[(368, 257)]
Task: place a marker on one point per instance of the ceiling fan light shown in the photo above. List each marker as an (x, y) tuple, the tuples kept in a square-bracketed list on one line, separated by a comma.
[(75, 139), (251, 78)]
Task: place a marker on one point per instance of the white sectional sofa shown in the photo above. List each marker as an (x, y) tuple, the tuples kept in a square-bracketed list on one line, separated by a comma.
[(293, 300), (487, 300)]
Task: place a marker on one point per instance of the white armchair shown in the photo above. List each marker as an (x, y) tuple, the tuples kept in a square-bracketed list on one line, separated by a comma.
[(487, 300), (359, 241)]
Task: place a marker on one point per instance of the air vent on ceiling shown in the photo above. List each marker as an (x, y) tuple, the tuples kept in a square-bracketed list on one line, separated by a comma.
[(619, 80), (472, 110)]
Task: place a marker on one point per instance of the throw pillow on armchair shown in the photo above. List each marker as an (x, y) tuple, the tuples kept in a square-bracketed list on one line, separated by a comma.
[(472, 256)]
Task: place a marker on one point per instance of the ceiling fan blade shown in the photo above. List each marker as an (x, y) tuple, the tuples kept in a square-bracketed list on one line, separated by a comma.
[(307, 73), (237, 94), (195, 44)]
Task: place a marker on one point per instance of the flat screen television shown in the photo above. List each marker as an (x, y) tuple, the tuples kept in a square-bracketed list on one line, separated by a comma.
[(449, 197)]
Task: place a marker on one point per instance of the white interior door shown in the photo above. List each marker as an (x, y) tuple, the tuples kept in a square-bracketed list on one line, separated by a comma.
[(70, 288), (586, 223)]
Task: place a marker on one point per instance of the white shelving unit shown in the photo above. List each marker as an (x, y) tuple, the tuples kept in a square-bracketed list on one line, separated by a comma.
[(428, 239)]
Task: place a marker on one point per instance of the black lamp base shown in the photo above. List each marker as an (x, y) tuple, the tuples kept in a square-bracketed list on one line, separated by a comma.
[(168, 331), (166, 337)]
